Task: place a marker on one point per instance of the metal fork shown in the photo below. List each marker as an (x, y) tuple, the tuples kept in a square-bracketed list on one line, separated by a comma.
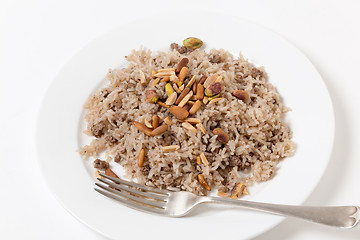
[(177, 204)]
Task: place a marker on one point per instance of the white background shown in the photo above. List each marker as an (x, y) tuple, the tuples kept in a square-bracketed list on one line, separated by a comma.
[(38, 37)]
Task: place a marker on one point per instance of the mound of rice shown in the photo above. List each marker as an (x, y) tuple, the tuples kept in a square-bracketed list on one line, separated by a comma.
[(259, 138)]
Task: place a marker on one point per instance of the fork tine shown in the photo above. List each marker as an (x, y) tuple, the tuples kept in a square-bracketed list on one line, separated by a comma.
[(130, 204), (132, 184), (137, 199), (127, 189)]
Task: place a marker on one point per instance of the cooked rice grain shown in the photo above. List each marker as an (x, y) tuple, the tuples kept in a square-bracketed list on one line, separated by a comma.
[(259, 137)]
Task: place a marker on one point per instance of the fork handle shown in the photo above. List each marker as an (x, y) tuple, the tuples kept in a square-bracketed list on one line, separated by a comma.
[(339, 216)]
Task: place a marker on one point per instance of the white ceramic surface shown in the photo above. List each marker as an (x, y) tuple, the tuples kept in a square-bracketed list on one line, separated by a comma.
[(301, 87)]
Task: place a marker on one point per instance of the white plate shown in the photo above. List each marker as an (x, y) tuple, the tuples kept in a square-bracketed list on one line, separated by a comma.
[(60, 125)]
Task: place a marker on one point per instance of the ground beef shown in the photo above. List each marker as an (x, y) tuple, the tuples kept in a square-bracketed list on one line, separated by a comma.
[(110, 139), (215, 58), (226, 66), (176, 46), (256, 73), (100, 164), (117, 158), (98, 129)]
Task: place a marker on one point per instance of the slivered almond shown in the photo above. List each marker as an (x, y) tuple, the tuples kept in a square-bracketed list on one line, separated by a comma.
[(155, 121), (187, 107), (176, 88), (142, 77), (193, 120), (164, 74), (97, 174), (193, 98), (170, 148), (179, 112), (203, 182), (210, 80), (182, 74), (194, 87), (245, 191), (201, 127), (204, 159), (162, 104), (182, 87), (183, 62), (168, 121), (182, 95), (185, 99), (165, 79), (171, 99), (215, 100), (155, 81), (141, 158), (142, 128), (222, 194), (153, 72), (159, 130), (202, 79), (222, 136), (205, 100), (200, 91), (188, 126), (195, 107), (174, 78), (147, 123), (110, 173), (166, 70), (198, 160), (191, 103), (191, 82)]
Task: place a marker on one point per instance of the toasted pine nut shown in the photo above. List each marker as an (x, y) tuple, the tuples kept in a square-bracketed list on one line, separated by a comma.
[(170, 148), (195, 107), (200, 91), (182, 74), (203, 159), (203, 182), (179, 112), (142, 128), (188, 126), (155, 121), (185, 99), (141, 158), (159, 130)]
